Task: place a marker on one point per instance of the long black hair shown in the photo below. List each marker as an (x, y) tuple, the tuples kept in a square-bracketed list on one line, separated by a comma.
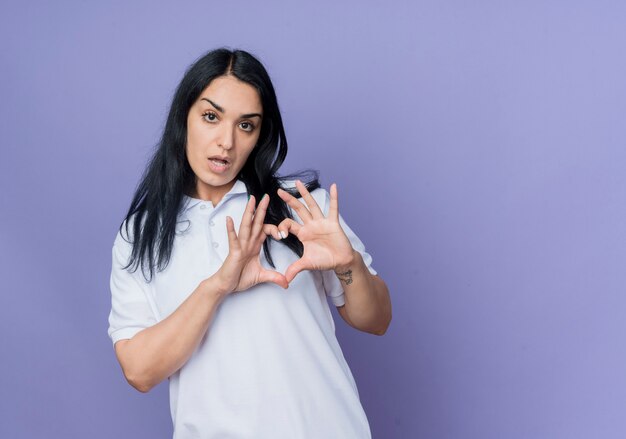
[(158, 197)]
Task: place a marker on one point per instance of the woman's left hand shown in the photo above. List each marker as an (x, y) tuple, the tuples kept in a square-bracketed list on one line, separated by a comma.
[(326, 246)]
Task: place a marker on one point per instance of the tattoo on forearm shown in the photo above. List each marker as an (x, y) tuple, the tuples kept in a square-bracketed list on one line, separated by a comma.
[(346, 277)]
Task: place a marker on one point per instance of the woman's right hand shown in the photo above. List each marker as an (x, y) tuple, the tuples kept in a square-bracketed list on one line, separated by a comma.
[(242, 268)]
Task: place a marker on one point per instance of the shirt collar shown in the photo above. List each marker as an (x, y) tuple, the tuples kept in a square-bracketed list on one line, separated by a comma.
[(238, 188)]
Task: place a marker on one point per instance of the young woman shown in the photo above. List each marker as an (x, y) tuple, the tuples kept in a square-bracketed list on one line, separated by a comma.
[(245, 338)]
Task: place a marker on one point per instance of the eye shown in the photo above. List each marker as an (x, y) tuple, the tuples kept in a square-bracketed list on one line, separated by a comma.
[(248, 126), (209, 114)]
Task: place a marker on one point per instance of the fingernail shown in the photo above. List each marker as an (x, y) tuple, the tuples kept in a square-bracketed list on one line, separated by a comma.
[(283, 235)]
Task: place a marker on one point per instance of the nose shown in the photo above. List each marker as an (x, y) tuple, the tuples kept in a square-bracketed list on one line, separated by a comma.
[(226, 137)]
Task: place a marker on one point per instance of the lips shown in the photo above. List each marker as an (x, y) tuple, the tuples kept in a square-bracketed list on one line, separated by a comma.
[(220, 158), (218, 165)]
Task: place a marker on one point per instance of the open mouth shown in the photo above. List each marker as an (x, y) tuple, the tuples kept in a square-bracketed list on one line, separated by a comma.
[(218, 165)]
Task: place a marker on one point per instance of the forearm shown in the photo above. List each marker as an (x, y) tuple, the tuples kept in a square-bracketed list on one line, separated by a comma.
[(155, 353), (367, 300)]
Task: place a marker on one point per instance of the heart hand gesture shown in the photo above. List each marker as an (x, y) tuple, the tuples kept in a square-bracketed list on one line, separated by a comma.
[(326, 245), (242, 268)]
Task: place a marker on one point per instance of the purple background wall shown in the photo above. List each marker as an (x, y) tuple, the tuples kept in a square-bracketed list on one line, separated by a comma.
[(479, 151)]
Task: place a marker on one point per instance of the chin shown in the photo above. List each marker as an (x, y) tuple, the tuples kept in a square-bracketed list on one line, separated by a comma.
[(211, 179), (215, 181)]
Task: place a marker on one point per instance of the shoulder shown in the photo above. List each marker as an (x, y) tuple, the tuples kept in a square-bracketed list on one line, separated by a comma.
[(124, 236)]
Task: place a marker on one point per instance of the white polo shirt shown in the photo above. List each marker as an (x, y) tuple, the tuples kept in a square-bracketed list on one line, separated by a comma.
[(270, 365)]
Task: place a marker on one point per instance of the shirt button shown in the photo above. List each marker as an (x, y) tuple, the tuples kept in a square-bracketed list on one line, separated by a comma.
[(202, 206), (211, 223), (215, 245)]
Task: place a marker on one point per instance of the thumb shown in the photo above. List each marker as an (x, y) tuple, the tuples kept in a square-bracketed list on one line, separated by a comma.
[(274, 277), (295, 268)]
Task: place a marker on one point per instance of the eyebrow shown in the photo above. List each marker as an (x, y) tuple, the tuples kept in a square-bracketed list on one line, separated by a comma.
[(221, 110)]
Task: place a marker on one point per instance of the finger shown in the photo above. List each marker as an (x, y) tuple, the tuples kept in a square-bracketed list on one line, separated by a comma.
[(258, 242), (296, 205), (275, 277), (272, 230), (294, 269), (314, 208), (333, 212), (233, 242), (246, 220), (289, 225), (259, 216)]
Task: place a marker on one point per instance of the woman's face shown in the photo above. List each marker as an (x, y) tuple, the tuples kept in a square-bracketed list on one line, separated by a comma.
[(224, 122)]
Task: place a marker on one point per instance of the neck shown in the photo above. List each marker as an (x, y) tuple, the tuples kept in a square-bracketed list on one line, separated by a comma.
[(211, 193)]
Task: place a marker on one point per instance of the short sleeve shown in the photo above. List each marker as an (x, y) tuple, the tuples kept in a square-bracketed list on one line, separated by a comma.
[(131, 310), (332, 285)]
